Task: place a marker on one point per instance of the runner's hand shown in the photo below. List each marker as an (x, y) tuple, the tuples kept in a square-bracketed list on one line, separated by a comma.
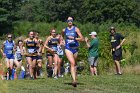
[(52, 50), (62, 43), (39, 54)]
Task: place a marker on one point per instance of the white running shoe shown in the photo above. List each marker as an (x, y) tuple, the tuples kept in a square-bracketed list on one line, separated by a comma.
[(55, 77)]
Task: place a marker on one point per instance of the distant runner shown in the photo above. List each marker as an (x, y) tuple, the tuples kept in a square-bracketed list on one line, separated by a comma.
[(39, 57), (31, 55), (51, 46), (60, 53), (7, 50), (20, 51)]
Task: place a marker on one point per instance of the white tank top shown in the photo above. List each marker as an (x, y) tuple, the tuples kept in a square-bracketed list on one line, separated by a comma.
[(18, 55), (60, 50)]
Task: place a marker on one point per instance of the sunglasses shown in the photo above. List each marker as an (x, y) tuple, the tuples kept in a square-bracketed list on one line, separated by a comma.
[(53, 32), (9, 37), (69, 20)]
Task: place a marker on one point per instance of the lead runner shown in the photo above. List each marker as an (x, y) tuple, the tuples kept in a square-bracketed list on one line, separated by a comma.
[(72, 36)]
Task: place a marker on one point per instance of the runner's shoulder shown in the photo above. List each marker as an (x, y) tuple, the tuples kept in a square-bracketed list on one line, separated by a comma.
[(49, 37), (4, 42), (77, 29), (27, 39)]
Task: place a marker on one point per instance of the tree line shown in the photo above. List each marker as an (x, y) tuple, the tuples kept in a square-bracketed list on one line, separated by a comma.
[(83, 11)]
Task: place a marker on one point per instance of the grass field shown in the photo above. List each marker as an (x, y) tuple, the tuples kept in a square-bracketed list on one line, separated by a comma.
[(129, 83)]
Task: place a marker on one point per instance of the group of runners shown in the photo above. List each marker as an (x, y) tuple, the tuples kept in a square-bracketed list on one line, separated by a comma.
[(33, 48)]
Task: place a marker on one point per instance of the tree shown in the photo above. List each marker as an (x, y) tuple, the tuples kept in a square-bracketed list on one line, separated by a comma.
[(8, 14), (61, 9), (97, 11)]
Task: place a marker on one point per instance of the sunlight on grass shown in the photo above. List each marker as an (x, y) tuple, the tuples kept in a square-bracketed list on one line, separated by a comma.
[(86, 84), (3, 87)]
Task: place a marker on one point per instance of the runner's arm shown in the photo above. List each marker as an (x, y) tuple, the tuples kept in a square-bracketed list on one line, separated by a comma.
[(24, 51), (80, 38), (40, 48), (46, 43), (62, 33), (62, 37), (62, 42), (15, 47), (2, 51), (24, 44), (2, 48)]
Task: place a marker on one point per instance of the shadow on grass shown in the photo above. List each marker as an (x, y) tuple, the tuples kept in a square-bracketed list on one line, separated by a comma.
[(68, 83), (40, 78)]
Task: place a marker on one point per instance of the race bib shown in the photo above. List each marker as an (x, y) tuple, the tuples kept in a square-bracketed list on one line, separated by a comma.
[(10, 52), (70, 41), (31, 51), (54, 48), (59, 50), (19, 56)]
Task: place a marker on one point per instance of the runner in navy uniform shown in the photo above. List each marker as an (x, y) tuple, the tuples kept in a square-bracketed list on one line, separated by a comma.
[(39, 57), (31, 55), (51, 46)]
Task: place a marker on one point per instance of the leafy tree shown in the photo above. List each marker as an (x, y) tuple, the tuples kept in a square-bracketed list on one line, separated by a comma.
[(116, 10), (61, 9), (8, 14), (32, 10), (5, 15), (84, 11)]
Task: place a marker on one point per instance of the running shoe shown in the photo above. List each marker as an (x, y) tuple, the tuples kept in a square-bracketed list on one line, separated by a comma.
[(74, 84), (31, 78), (55, 77)]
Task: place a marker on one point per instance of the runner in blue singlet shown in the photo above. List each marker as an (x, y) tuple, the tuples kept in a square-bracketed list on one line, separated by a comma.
[(7, 51), (71, 44), (72, 36)]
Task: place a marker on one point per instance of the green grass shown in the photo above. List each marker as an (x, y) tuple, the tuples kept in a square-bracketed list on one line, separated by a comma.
[(86, 84)]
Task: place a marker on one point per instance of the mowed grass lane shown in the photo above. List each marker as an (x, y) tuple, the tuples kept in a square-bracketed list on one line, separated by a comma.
[(86, 84)]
